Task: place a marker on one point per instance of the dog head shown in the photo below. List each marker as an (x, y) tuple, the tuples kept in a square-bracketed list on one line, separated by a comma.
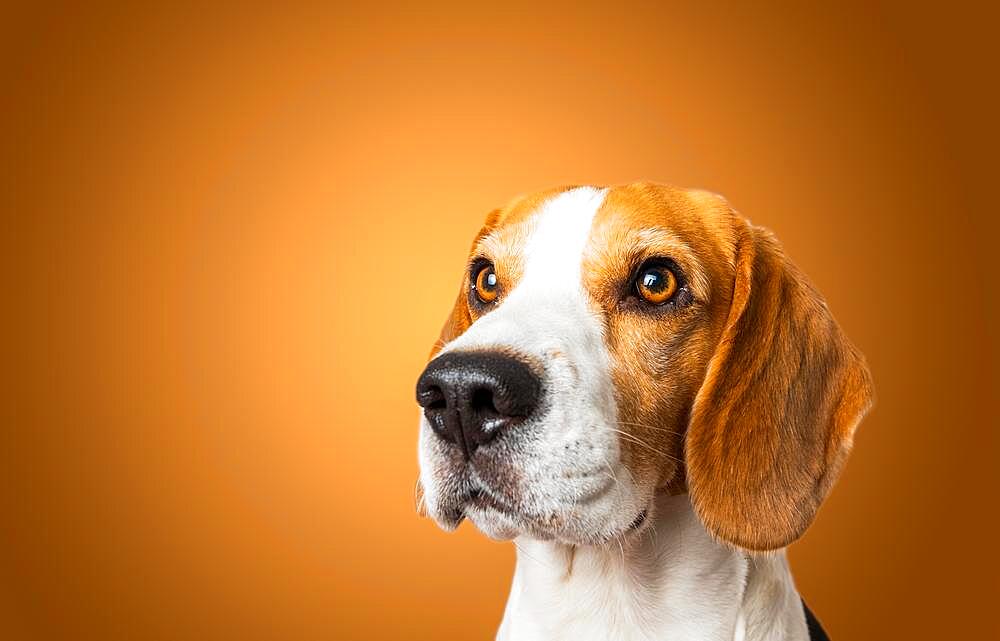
[(607, 344)]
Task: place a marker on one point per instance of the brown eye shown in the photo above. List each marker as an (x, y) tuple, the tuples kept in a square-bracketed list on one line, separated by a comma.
[(656, 284), (485, 284)]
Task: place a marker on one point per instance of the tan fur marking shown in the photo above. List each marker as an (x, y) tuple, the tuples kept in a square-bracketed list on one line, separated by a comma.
[(658, 361), (501, 240), (772, 425), (747, 396)]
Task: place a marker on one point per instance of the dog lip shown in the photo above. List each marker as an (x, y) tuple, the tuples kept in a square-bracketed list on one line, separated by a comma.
[(597, 494), (479, 499), (639, 520)]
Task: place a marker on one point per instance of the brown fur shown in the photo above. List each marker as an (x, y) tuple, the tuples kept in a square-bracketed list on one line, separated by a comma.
[(773, 423), (658, 360), (747, 397), (500, 239)]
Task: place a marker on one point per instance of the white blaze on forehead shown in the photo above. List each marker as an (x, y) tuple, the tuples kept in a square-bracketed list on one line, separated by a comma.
[(548, 314), (548, 308), (554, 251), (548, 317)]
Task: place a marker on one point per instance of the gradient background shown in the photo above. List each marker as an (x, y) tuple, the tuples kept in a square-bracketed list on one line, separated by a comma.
[(232, 234)]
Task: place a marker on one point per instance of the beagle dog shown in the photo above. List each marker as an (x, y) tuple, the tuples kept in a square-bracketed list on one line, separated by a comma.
[(639, 388)]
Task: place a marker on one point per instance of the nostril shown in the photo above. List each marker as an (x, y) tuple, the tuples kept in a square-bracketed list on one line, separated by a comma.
[(468, 398), (437, 400), (432, 397), (481, 402)]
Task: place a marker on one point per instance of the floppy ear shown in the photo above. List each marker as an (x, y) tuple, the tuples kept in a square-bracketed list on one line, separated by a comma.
[(773, 422)]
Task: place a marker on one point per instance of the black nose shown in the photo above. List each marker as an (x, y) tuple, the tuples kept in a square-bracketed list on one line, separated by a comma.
[(470, 397)]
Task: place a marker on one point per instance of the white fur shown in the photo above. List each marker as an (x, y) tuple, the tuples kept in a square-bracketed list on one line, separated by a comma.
[(672, 581), (582, 573), (572, 478)]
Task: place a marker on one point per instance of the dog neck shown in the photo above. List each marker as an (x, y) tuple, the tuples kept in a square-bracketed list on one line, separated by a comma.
[(670, 581)]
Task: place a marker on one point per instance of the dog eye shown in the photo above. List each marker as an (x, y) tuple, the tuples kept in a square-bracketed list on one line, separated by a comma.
[(485, 284), (656, 284)]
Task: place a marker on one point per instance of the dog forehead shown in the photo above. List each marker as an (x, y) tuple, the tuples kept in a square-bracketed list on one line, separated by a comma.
[(645, 220), (548, 229), (648, 212), (538, 262), (561, 230)]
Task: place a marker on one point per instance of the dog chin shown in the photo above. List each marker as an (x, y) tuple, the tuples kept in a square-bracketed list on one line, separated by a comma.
[(496, 525), (620, 513), (500, 526)]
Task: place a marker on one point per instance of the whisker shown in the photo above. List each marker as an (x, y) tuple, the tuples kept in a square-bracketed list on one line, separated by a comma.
[(651, 532), (611, 470), (638, 441), (651, 427), (419, 499)]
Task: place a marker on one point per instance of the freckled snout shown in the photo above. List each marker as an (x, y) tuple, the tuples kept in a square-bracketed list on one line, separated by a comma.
[(469, 398)]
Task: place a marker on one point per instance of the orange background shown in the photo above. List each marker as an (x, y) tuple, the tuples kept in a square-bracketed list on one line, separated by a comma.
[(231, 236)]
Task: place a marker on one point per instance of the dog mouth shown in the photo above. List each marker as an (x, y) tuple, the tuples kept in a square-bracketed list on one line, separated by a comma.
[(639, 520), (501, 519), (504, 519), (479, 499), (576, 506)]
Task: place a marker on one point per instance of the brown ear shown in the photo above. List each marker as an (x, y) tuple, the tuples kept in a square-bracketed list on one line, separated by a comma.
[(773, 422)]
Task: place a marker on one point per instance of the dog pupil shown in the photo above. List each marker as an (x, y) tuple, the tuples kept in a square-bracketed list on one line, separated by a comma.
[(652, 280)]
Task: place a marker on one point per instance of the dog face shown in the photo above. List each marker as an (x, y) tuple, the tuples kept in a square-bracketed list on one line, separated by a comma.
[(607, 344)]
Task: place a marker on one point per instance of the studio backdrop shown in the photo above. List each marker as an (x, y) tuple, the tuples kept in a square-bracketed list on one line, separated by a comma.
[(233, 232)]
